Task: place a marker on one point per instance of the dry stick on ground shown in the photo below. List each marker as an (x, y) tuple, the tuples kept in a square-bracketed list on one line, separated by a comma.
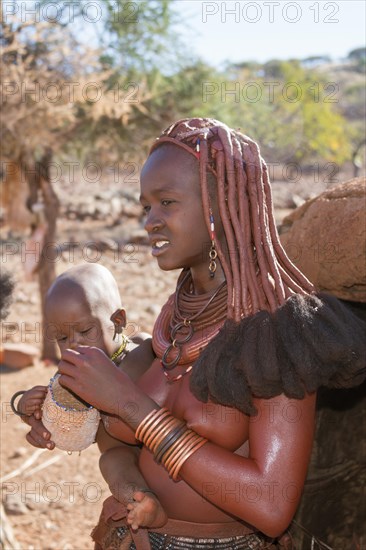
[(7, 538), (29, 463), (24, 466), (44, 465)]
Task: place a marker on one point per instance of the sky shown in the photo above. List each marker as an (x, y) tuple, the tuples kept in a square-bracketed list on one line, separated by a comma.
[(233, 31)]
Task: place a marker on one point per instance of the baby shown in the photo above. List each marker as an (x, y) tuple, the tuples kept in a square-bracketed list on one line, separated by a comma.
[(78, 311)]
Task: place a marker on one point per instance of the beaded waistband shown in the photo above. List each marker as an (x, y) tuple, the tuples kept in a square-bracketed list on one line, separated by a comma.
[(159, 541)]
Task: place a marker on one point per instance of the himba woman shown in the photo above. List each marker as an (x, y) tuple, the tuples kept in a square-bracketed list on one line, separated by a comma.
[(225, 413)]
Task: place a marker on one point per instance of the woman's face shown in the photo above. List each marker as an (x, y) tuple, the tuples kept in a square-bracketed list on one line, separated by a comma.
[(171, 198)]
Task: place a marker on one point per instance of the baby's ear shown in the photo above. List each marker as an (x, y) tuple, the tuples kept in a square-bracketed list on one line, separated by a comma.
[(118, 318)]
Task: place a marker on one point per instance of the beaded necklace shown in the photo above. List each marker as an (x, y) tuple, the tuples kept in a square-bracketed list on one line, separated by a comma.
[(121, 348)]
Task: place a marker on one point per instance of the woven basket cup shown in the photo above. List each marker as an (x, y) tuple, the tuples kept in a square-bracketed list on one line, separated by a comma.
[(72, 423)]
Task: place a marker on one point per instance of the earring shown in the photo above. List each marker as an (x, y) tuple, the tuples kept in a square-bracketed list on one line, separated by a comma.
[(118, 326), (213, 252)]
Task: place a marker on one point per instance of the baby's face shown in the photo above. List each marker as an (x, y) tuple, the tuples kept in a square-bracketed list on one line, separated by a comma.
[(71, 322)]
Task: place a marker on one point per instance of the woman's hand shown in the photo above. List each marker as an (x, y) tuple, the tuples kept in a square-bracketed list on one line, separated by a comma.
[(89, 373)]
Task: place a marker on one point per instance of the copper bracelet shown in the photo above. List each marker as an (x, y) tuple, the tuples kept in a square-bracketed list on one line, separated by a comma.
[(164, 432), (159, 432), (147, 421), (168, 441), (150, 432), (176, 449), (174, 473), (187, 444)]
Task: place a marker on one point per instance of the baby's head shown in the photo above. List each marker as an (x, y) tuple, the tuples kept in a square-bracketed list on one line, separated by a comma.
[(79, 306)]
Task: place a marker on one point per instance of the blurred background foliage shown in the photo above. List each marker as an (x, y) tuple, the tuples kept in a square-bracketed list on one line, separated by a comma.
[(107, 95)]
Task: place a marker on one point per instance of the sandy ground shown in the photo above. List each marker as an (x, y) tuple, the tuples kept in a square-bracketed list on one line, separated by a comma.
[(56, 506)]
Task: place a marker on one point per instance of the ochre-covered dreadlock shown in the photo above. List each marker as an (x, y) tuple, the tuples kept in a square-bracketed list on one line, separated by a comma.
[(258, 272)]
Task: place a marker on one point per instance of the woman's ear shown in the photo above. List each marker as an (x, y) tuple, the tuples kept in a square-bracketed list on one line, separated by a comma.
[(118, 319)]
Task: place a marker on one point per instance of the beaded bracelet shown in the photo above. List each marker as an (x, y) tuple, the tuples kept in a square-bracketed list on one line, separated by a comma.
[(169, 438)]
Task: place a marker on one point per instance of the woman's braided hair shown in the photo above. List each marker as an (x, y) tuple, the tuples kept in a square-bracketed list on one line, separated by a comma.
[(259, 274)]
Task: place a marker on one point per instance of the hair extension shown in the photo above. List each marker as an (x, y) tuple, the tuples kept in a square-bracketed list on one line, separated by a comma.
[(259, 274)]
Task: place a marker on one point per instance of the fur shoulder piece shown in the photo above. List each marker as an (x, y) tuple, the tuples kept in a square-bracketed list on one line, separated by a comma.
[(310, 341)]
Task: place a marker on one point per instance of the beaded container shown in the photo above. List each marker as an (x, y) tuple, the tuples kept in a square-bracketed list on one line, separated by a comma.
[(72, 423)]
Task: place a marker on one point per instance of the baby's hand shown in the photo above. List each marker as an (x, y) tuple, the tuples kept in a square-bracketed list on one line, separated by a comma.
[(32, 400)]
